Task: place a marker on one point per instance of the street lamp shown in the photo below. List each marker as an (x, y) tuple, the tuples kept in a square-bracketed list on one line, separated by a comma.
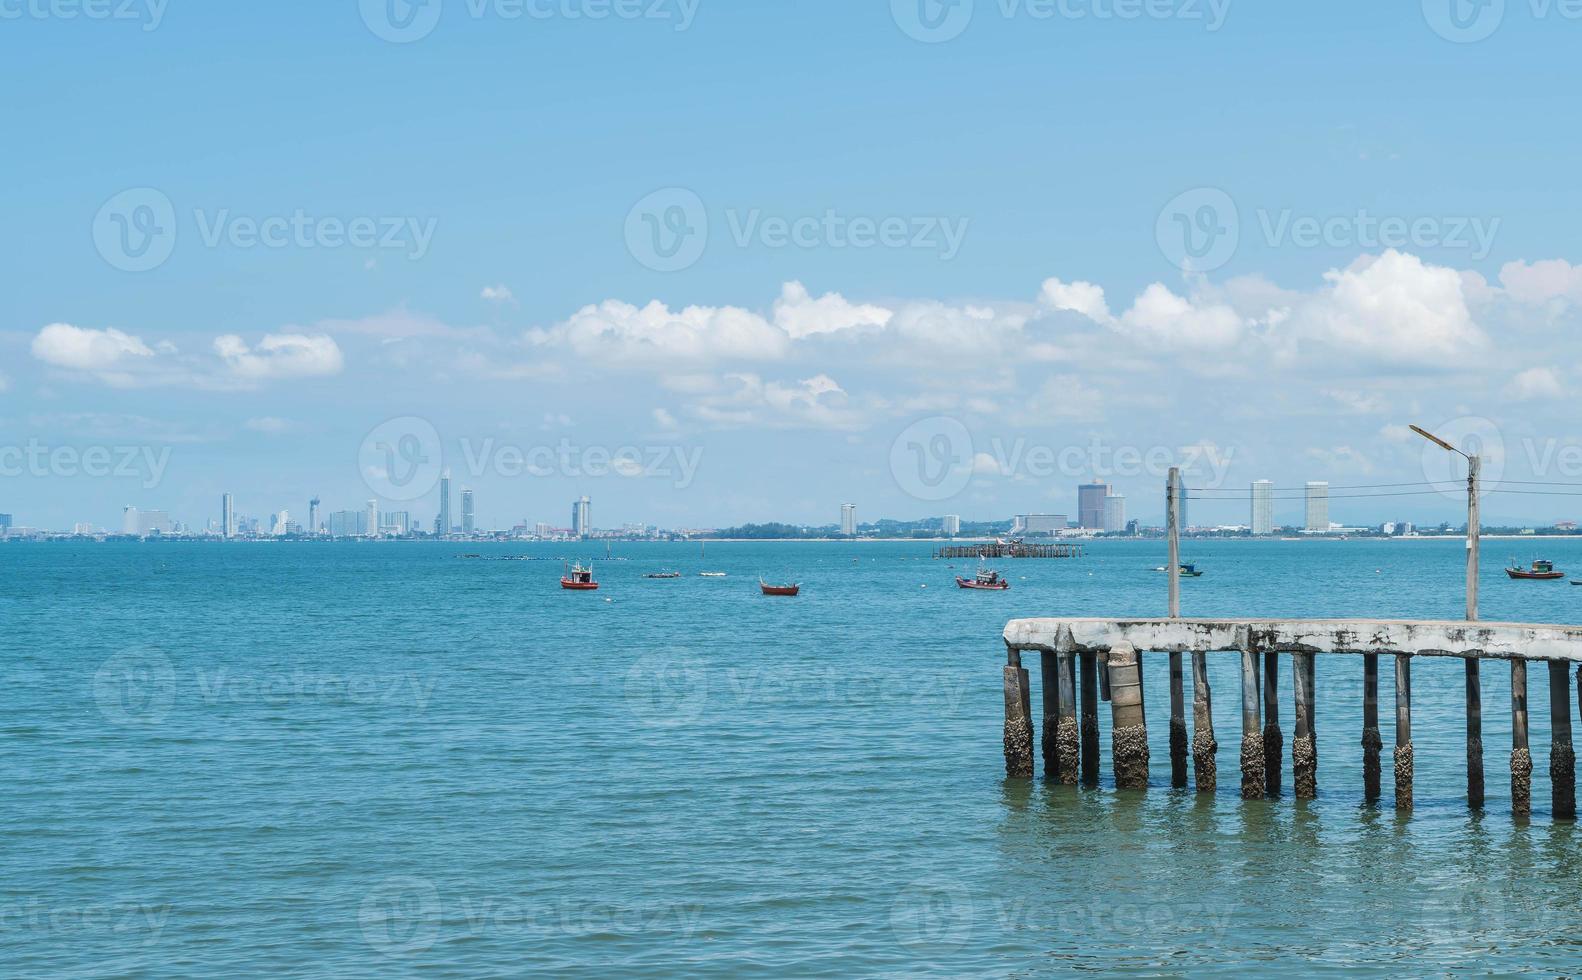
[(1474, 681)]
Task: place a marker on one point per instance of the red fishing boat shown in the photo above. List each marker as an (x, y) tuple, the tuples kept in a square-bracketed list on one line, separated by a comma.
[(987, 581), (778, 589), (579, 579), (1542, 569)]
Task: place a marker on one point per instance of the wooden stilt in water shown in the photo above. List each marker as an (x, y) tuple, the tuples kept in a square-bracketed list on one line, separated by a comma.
[(1521, 757), (1067, 751), (1128, 725), (1474, 734), (1253, 782), (1372, 741), (1178, 734), (1018, 721), (1404, 763), (1205, 769), (1304, 749), (1089, 723), (1049, 683), (1273, 741), (1562, 756)]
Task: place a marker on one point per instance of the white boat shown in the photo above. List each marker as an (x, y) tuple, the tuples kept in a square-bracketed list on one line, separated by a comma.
[(712, 574)]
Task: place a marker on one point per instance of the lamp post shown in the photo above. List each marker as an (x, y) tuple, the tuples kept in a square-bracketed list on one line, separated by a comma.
[(1474, 681)]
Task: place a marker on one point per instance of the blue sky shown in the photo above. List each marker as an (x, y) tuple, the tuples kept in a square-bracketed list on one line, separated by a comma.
[(880, 237)]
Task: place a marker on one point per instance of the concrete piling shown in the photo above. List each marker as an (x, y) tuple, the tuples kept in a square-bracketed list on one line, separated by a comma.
[(1128, 725), (1521, 757), (1253, 781), (1178, 732), (1474, 734), (1562, 757), (1372, 741), (1304, 749), (1273, 741), (1018, 721), (1205, 769), (1089, 725), (1049, 683), (1404, 763), (1067, 743)]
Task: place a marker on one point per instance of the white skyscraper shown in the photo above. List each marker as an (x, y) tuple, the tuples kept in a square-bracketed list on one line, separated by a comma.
[(443, 521), (848, 520), (952, 525), (373, 519), (228, 516), (582, 517), (467, 518), (1318, 506), (313, 516), (281, 520), (1114, 513), (1263, 507)]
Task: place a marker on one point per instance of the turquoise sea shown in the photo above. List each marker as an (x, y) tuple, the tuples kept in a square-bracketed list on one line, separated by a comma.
[(385, 760)]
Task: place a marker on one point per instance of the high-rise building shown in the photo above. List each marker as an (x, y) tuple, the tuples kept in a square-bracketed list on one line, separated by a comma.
[(372, 523), (228, 516), (952, 525), (1039, 524), (397, 523), (848, 520), (467, 517), (313, 516), (348, 523), (129, 520), (582, 518), (541, 529), (1090, 504), (443, 526), (278, 528), (1263, 507), (1114, 513), (1317, 506)]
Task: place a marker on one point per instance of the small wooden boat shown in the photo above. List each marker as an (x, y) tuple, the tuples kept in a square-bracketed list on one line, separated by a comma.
[(663, 575), (778, 589), (987, 581), (1185, 571), (1542, 570), (579, 579)]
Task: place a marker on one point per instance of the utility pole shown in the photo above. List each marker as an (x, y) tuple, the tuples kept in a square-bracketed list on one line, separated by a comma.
[(1173, 528), (1474, 533)]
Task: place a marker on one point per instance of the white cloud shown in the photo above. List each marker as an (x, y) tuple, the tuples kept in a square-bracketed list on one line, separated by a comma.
[(664, 419), (498, 294), (96, 351), (1538, 283), (1078, 297), (620, 333), (984, 464), (268, 424), (800, 315), (746, 399), (1357, 402), (1393, 307), (1161, 318), (280, 356), (1535, 383)]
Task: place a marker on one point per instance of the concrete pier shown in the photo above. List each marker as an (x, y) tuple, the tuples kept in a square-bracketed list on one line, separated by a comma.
[(1067, 741), (1253, 783), (1205, 769), (1372, 741), (1273, 741), (1404, 763), (1304, 747), (1128, 725), (1178, 730), (1521, 757), (1018, 721), (1117, 645), (1089, 724), (1562, 756)]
